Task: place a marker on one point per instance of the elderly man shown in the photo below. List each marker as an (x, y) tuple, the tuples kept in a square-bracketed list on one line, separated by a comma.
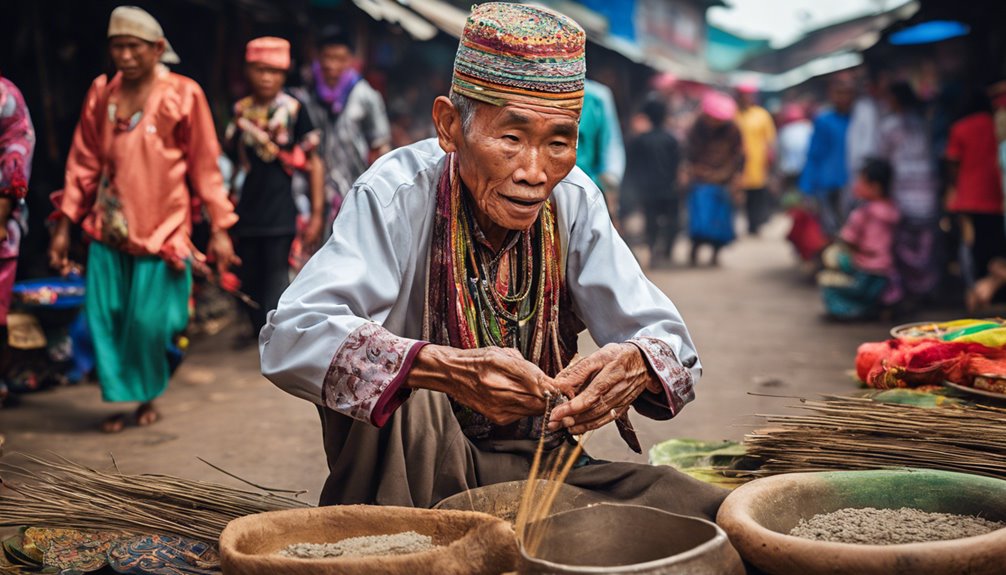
[(144, 145), (443, 313)]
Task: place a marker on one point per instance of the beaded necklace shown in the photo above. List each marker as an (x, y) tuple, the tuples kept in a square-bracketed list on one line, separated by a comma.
[(500, 283), (479, 297)]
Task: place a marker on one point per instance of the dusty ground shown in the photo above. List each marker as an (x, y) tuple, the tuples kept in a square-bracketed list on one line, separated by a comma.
[(755, 321)]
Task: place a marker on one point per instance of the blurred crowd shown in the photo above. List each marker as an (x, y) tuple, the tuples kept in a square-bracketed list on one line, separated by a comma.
[(894, 202)]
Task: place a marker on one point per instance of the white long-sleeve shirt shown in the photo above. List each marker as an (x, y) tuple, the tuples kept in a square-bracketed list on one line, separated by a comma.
[(347, 329)]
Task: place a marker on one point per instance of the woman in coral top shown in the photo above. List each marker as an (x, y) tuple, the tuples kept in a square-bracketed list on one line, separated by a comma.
[(144, 145)]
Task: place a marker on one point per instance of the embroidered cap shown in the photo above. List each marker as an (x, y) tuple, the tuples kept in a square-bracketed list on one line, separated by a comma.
[(269, 50), (137, 22), (518, 53)]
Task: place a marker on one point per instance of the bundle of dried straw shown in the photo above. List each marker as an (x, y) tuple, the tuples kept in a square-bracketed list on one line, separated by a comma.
[(839, 433), (544, 482), (60, 493)]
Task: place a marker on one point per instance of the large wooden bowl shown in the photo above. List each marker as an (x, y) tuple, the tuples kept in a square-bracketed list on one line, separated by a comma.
[(468, 542), (758, 517)]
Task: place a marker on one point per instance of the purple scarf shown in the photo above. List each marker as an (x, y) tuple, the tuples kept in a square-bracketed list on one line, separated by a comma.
[(334, 96)]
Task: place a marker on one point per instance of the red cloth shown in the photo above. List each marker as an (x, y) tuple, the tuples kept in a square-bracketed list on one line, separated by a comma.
[(908, 363), (973, 145), (806, 234)]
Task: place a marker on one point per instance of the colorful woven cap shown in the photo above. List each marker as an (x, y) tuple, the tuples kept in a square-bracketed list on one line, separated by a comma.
[(269, 51), (518, 53)]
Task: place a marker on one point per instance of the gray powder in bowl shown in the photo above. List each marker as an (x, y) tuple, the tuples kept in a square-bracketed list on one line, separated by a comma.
[(366, 546), (869, 526)]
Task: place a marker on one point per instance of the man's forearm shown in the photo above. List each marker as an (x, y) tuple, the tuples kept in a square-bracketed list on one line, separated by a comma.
[(317, 183), (438, 368)]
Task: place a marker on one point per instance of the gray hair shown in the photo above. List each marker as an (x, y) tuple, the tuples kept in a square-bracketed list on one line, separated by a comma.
[(466, 109)]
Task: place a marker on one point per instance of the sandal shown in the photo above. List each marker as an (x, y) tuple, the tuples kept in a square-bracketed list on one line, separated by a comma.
[(113, 424), (147, 415)]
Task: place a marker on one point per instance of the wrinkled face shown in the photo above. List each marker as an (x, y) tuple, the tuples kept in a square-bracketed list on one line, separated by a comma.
[(134, 57), (265, 81), (512, 157), (334, 60)]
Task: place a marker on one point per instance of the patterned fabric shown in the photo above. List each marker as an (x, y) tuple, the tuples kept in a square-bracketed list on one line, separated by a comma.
[(72, 549), (676, 379), (512, 52), (163, 555), (365, 378), (17, 142), (467, 310), (269, 130)]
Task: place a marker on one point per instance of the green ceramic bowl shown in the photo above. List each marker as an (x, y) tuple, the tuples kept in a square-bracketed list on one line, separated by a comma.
[(758, 517)]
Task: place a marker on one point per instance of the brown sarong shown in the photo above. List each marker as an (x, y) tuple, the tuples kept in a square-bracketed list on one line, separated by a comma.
[(421, 456)]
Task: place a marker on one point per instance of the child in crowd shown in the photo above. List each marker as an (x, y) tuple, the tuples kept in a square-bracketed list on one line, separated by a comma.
[(859, 268)]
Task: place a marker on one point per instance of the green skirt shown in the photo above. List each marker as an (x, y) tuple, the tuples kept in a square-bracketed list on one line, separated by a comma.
[(135, 307)]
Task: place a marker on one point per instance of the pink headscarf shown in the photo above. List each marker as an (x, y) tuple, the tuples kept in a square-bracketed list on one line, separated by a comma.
[(719, 106)]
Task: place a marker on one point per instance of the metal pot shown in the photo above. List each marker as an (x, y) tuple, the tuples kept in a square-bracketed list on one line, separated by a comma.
[(616, 538)]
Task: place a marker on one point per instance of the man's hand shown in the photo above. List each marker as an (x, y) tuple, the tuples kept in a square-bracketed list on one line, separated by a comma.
[(221, 251), (496, 382), (59, 247), (602, 386)]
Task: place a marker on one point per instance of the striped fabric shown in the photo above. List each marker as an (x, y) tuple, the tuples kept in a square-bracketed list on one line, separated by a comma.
[(513, 52)]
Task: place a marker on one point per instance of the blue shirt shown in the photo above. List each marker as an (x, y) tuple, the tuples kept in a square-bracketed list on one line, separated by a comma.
[(826, 168)]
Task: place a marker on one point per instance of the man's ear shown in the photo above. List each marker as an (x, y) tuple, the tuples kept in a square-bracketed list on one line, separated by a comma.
[(447, 122)]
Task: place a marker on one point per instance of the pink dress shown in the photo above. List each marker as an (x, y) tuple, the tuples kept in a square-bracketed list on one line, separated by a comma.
[(869, 231)]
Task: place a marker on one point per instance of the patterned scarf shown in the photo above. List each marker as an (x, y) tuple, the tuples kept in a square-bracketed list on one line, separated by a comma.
[(476, 297)]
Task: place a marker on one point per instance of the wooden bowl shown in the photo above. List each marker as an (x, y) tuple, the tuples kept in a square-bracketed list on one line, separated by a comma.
[(468, 542), (758, 517)]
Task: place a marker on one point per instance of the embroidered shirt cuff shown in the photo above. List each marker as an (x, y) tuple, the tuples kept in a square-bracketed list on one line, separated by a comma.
[(365, 379), (675, 378)]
